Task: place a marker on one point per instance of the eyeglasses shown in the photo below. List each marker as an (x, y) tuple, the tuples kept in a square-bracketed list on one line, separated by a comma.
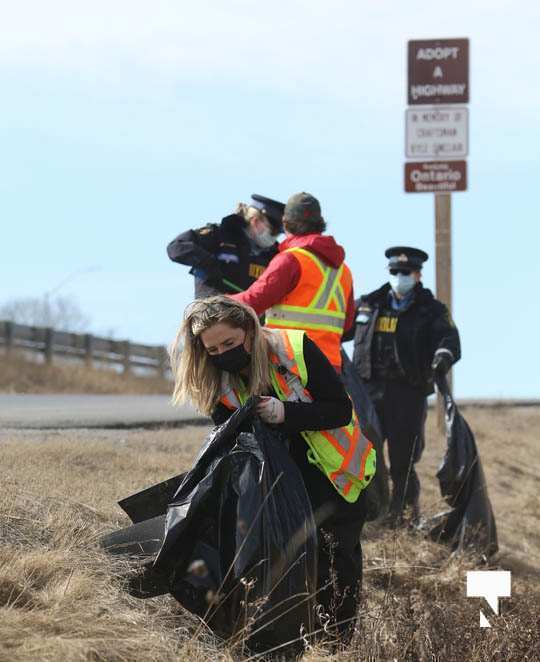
[(405, 272)]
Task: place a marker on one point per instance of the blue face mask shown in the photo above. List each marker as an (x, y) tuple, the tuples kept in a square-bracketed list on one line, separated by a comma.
[(402, 284)]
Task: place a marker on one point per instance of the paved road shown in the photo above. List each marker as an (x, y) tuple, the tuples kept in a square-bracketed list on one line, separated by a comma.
[(109, 411), (83, 411)]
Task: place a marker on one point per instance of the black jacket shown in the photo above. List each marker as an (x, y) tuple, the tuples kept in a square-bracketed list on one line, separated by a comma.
[(422, 329), (221, 257)]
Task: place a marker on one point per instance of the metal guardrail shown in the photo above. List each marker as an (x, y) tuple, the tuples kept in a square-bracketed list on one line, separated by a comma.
[(86, 347)]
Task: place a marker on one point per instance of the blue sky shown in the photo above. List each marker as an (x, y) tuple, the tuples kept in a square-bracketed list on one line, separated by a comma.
[(125, 123)]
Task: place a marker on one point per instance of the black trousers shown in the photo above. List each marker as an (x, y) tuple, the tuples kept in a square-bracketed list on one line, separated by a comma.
[(339, 525), (402, 411)]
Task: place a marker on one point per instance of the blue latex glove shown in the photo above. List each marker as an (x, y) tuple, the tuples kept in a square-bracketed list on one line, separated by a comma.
[(199, 273)]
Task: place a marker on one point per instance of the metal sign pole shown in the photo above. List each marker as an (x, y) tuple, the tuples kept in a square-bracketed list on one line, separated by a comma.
[(443, 258)]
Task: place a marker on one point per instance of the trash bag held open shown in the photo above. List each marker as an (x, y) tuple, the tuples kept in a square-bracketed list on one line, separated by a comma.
[(470, 523), (238, 544)]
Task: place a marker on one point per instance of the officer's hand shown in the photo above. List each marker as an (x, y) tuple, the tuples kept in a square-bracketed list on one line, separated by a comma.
[(441, 363), (271, 410)]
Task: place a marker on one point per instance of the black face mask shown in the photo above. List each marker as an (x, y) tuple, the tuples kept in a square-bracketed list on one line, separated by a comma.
[(233, 360)]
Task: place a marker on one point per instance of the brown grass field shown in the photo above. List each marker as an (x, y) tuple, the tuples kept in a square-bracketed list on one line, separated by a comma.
[(61, 598)]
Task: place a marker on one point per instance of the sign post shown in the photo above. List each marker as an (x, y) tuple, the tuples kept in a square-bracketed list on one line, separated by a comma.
[(443, 247), (438, 75), (443, 267)]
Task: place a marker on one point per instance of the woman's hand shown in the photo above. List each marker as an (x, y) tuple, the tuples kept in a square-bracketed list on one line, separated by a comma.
[(271, 410)]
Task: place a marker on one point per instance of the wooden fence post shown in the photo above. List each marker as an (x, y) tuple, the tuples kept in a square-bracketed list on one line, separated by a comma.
[(8, 326), (127, 356), (48, 347), (88, 350)]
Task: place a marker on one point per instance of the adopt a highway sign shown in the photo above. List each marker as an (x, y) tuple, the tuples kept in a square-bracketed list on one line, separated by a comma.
[(435, 176), (436, 132), (438, 71)]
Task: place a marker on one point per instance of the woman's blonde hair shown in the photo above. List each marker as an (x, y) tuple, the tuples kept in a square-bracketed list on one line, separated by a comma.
[(196, 379)]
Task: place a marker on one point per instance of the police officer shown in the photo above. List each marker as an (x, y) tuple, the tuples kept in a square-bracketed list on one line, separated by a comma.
[(403, 335), (228, 257)]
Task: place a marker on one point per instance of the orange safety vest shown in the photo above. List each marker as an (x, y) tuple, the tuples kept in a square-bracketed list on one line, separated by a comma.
[(345, 455), (318, 304)]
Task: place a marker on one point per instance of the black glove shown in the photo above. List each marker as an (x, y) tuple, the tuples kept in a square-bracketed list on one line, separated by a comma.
[(442, 362)]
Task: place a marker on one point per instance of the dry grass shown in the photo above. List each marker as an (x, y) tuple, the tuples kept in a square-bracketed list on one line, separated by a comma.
[(61, 599), (22, 375)]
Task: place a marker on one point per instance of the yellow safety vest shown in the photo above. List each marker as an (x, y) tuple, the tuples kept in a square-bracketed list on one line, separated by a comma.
[(344, 455)]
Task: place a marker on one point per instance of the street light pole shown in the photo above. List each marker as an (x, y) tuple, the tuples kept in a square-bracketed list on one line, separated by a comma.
[(47, 313), (69, 278)]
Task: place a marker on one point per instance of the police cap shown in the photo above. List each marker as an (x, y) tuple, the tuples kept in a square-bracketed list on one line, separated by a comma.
[(272, 209), (405, 257)]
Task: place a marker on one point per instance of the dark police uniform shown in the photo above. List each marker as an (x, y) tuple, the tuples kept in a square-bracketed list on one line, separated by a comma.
[(222, 257), (397, 346)]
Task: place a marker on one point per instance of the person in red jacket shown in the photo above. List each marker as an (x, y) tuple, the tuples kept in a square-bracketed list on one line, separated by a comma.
[(307, 285)]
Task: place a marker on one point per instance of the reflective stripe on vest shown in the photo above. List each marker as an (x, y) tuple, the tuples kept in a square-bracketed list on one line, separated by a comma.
[(317, 304), (344, 454)]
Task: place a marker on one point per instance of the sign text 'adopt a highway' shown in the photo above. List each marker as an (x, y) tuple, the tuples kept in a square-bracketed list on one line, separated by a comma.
[(438, 71)]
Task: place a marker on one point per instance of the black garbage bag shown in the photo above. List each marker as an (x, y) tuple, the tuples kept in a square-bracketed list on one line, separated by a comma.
[(470, 523), (376, 495), (238, 545), (147, 510)]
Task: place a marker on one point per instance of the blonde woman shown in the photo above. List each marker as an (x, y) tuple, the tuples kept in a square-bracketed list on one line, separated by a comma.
[(228, 257), (222, 356)]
